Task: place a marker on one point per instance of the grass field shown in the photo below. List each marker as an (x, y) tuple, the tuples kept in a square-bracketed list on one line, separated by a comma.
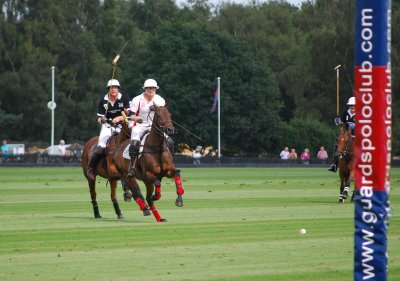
[(236, 224)]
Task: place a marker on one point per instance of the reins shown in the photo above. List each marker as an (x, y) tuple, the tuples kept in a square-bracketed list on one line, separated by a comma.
[(160, 130), (345, 153)]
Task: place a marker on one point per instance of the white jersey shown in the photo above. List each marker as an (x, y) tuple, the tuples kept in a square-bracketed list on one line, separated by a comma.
[(141, 107)]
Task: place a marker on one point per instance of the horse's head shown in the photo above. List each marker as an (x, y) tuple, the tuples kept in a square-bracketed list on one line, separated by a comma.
[(345, 142), (162, 120)]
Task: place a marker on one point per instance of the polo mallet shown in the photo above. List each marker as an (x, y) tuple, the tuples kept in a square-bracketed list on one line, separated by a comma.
[(337, 88), (114, 63)]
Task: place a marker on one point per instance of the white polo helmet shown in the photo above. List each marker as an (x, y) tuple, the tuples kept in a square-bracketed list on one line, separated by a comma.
[(113, 82), (352, 101), (150, 83)]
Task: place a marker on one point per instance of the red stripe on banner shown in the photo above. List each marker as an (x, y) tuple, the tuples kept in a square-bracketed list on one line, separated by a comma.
[(373, 129)]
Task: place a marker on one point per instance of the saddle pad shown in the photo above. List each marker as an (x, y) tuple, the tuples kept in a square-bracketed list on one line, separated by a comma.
[(125, 154)]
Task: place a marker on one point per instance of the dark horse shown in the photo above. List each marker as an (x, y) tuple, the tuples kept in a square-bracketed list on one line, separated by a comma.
[(155, 162), (106, 168), (345, 153)]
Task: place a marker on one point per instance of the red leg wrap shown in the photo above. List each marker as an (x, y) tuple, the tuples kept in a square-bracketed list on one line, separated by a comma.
[(141, 204), (180, 191), (155, 213), (178, 182), (179, 187), (157, 194)]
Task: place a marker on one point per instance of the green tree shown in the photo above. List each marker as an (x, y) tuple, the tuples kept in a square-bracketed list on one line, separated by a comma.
[(186, 59)]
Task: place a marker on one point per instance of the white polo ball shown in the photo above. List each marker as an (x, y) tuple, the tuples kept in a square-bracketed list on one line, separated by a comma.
[(303, 231)]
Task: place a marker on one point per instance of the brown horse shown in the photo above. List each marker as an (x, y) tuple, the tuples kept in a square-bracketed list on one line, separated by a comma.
[(155, 161), (107, 169), (345, 153)]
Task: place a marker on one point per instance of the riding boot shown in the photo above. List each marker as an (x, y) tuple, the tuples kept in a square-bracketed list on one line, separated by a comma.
[(133, 153), (334, 165), (95, 156)]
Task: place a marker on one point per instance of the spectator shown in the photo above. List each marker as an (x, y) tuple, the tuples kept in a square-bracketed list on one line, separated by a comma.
[(61, 146), (293, 154), (305, 156), (65, 153), (285, 153), (322, 155), (5, 150), (197, 155)]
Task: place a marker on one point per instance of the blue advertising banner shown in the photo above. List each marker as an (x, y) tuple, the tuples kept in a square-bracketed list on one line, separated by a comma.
[(372, 89)]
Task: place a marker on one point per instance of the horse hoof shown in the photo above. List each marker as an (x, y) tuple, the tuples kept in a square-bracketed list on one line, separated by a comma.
[(341, 201), (97, 217), (345, 193), (146, 213), (120, 217), (163, 220), (179, 202)]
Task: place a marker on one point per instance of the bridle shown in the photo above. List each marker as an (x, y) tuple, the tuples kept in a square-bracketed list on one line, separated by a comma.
[(346, 151), (160, 130), (156, 123)]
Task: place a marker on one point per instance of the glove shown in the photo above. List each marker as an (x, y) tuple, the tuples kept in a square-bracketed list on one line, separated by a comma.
[(351, 125), (103, 120), (136, 119), (338, 121)]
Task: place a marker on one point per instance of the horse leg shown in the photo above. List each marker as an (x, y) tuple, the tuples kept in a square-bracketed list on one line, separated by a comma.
[(96, 210), (341, 199), (92, 189), (157, 191), (127, 191), (352, 196), (137, 195), (179, 188), (346, 189), (150, 201), (352, 178), (113, 185), (347, 180)]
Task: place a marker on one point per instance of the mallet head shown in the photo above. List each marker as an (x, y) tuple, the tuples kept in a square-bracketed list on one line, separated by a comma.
[(116, 59)]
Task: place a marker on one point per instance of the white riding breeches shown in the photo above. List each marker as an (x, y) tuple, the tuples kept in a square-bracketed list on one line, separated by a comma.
[(139, 131), (105, 133)]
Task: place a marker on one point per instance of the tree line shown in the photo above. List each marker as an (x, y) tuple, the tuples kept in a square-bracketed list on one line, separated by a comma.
[(275, 60)]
